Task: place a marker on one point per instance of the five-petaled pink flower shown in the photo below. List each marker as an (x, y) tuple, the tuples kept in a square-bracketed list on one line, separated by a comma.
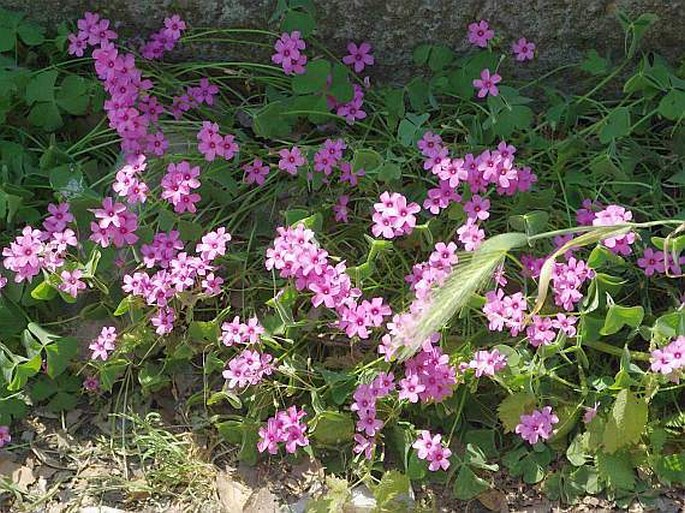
[(480, 33), (523, 49), (359, 56), (487, 83)]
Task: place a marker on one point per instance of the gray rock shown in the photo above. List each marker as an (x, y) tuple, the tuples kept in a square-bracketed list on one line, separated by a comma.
[(562, 29)]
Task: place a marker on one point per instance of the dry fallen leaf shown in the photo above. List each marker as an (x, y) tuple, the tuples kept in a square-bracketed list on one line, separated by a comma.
[(494, 500), (262, 501), (232, 494)]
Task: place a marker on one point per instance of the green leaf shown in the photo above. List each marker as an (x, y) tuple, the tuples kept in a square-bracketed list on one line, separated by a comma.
[(512, 407), (313, 80), (616, 471), (532, 465), (341, 87), (31, 34), (616, 125), (672, 106), (440, 57), (203, 331), (594, 64), (72, 96), (332, 428), (421, 54), (366, 159), (270, 122), (59, 354), (626, 422), (110, 372), (41, 88), (468, 484), (248, 447), (389, 172), (671, 468), (298, 20), (392, 491), (531, 223), (619, 316), (45, 115), (23, 371), (44, 292)]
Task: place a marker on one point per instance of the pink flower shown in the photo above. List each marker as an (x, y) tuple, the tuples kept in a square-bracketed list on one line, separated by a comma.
[(471, 235), (256, 172), (615, 215), (410, 388), (71, 284), (289, 54), (77, 43), (488, 362), (213, 244), (566, 324), (284, 427), (91, 384), (359, 56), (393, 216), (248, 368), (340, 209), (652, 262), (669, 360), (524, 50), (430, 144), (477, 208), (291, 160), (5, 437), (590, 413), (104, 343), (487, 84), (363, 445), (480, 33), (537, 425), (432, 449), (348, 175)]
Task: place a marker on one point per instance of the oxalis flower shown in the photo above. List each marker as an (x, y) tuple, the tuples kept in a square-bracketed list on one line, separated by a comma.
[(537, 425)]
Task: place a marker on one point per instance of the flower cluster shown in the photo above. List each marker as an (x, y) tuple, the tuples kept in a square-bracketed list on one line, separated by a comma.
[(127, 183), (114, 224), (364, 405), (178, 185), (669, 360), (284, 427), (103, 345), (505, 311), (616, 215), (658, 262), (193, 97), (393, 216), (537, 425), (71, 282), (351, 110), (295, 254), (491, 167), (248, 368), (289, 53), (329, 156), (164, 40), (567, 279), (92, 31), (5, 437), (35, 250), (179, 272), (428, 375), (427, 275), (236, 332), (487, 363), (212, 144), (432, 449)]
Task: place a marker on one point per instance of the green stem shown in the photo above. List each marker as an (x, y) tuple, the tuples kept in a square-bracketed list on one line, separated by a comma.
[(616, 351)]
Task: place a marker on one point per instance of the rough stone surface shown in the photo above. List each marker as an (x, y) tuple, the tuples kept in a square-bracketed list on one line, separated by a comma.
[(563, 29)]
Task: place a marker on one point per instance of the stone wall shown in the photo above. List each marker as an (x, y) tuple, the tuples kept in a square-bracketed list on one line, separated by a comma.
[(563, 29)]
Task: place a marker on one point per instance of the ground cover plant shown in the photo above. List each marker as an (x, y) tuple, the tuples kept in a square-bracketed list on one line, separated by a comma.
[(416, 285)]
